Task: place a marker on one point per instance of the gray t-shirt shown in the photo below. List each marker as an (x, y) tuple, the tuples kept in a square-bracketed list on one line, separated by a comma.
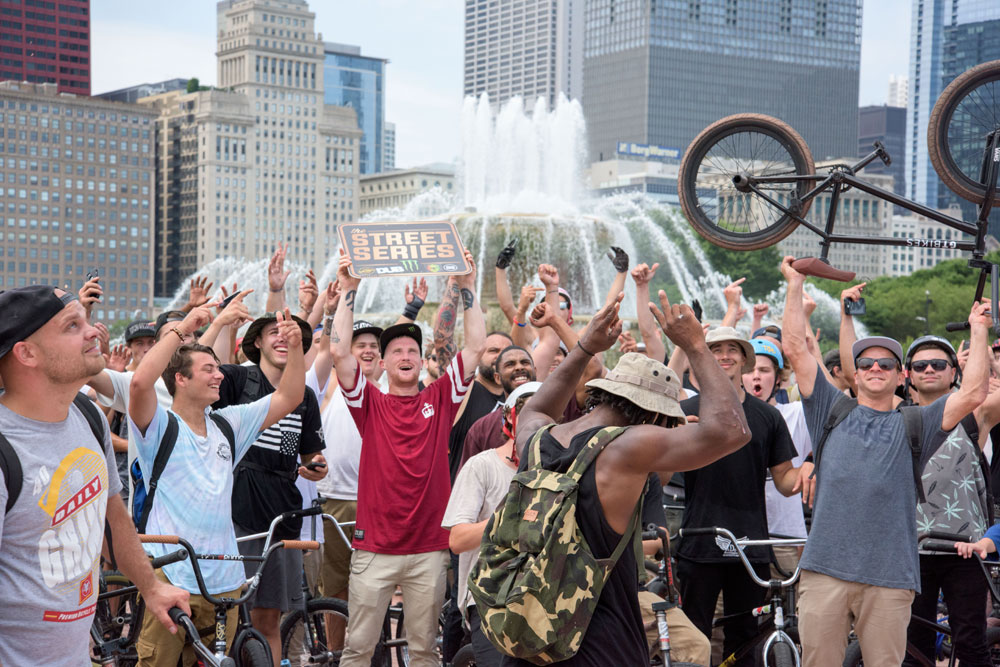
[(481, 485), (864, 520), (50, 541)]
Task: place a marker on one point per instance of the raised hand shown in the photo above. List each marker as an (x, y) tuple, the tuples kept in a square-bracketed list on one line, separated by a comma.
[(236, 312), (120, 358), (507, 254), (549, 275), (468, 281), (419, 291), (289, 329), (196, 319), (849, 294), (980, 314), (90, 293), (808, 304), (643, 274), (104, 337), (790, 274), (225, 295), (528, 294), (760, 310), (626, 343), (541, 316), (619, 258), (604, 329), (678, 323), (734, 292), (276, 273), (347, 282), (198, 293), (332, 295), (308, 292)]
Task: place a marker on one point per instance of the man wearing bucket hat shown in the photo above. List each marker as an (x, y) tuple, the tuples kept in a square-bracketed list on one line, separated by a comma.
[(866, 571), (403, 480), (730, 493), (264, 480), (639, 393)]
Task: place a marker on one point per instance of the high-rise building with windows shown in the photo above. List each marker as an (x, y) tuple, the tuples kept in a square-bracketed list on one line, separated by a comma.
[(524, 48), (261, 160), (76, 195), (899, 91), (137, 92), (389, 148), (657, 73), (886, 124), (356, 81), (46, 42), (933, 24)]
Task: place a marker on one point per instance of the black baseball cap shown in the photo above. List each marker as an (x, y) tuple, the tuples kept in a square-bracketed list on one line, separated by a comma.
[(363, 327), (252, 352), (139, 329), (168, 316), (26, 310), (406, 329)]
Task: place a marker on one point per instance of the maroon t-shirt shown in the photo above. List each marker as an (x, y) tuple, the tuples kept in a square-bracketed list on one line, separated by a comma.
[(486, 433), (403, 481)]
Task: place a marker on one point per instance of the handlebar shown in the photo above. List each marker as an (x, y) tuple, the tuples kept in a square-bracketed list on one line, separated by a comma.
[(938, 535), (174, 557), (178, 616), (741, 544)]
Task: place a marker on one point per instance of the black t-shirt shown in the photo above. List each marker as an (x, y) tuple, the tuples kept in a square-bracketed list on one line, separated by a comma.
[(652, 503), (259, 495), (615, 635), (481, 402), (730, 492)]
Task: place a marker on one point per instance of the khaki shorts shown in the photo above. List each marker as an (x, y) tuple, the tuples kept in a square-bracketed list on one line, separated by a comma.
[(336, 555)]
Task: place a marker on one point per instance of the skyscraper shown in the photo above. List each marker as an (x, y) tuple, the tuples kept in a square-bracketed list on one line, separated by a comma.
[(929, 20), (657, 73), (888, 125), (46, 42), (260, 160), (899, 91), (389, 148), (526, 48), (356, 81)]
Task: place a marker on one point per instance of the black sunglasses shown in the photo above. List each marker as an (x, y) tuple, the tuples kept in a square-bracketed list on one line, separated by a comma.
[(885, 363), (937, 364)]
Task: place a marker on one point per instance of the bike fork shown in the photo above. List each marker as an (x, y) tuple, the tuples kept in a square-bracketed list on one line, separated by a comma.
[(660, 608)]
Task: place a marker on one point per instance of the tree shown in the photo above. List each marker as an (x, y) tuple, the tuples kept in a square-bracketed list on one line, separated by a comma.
[(759, 267), (193, 85)]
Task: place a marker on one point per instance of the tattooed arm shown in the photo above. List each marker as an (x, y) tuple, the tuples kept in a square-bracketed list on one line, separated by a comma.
[(472, 320), (343, 323), (444, 324)]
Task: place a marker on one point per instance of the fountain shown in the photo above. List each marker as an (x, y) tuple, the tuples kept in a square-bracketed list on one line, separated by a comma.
[(522, 176)]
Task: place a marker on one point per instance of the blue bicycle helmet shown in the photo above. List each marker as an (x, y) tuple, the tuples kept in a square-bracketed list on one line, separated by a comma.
[(768, 349)]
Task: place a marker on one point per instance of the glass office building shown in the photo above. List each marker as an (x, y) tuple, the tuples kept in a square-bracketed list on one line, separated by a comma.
[(356, 81), (659, 71)]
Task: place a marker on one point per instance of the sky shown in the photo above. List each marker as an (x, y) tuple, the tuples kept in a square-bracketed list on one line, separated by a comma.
[(145, 42)]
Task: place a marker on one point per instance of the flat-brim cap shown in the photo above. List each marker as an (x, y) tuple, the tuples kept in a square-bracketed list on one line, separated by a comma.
[(25, 310), (406, 329), (252, 352), (645, 382), (878, 341)]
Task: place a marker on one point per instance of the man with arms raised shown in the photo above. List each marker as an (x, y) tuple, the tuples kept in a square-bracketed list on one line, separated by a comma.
[(860, 563), (404, 483), (640, 393), (52, 528)]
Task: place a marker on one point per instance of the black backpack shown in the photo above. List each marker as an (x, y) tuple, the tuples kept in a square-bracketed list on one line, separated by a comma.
[(10, 464), (142, 491), (912, 420)]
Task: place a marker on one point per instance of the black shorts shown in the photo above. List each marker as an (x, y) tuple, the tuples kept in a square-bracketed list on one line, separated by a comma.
[(281, 581)]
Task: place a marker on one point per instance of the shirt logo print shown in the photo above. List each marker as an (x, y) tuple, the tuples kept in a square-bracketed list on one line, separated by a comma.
[(428, 411)]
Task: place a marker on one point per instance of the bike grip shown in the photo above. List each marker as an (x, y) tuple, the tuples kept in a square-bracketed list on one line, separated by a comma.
[(176, 615), (956, 326), (305, 545), (947, 537), (650, 535), (309, 511), (935, 546), (174, 557), (694, 532), (159, 539)]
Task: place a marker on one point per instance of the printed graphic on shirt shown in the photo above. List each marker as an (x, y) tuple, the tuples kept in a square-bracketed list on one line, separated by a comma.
[(284, 436), (75, 499), (727, 547)]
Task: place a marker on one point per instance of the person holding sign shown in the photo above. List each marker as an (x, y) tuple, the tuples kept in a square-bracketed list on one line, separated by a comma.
[(403, 483)]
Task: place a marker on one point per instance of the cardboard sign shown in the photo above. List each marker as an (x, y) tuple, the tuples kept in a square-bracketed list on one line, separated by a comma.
[(403, 248)]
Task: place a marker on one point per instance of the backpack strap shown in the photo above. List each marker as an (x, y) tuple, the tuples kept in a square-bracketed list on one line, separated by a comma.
[(913, 422), (10, 466), (251, 386), (534, 446), (838, 413), (95, 419), (227, 430), (592, 449), (167, 443)]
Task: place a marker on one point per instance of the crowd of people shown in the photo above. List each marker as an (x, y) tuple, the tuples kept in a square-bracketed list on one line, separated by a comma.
[(210, 435)]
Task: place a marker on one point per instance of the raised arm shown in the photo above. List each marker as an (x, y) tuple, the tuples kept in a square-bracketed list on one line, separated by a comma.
[(142, 389), (521, 331), (848, 336), (291, 389), (542, 316), (619, 258), (734, 308), (343, 325), (276, 277), (217, 335), (643, 275), (308, 296), (473, 322), (759, 311), (793, 331), (414, 301), (198, 292), (975, 380), (323, 362), (504, 296), (444, 324)]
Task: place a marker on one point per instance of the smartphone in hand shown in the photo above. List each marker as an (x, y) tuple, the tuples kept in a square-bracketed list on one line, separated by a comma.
[(315, 465)]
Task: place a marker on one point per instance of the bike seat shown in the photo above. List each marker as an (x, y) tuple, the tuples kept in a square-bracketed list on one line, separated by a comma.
[(820, 268)]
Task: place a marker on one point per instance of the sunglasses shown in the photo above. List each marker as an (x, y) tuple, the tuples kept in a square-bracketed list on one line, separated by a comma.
[(885, 363), (937, 364)]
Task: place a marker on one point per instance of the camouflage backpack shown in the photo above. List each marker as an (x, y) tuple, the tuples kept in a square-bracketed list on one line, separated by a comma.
[(536, 582)]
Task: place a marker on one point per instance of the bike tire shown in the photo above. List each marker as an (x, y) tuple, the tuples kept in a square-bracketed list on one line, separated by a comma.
[(962, 116), (464, 657), (852, 656), (254, 653), (744, 143), (292, 627), (781, 655)]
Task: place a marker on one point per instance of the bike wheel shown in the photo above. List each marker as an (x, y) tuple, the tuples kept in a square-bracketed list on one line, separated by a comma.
[(464, 657), (295, 625), (781, 655), (852, 656), (403, 649), (745, 144), (254, 653), (967, 110)]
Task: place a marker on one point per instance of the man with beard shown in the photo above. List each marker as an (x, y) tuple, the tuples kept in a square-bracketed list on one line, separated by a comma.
[(515, 367), (264, 481), (49, 544), (404, 478)]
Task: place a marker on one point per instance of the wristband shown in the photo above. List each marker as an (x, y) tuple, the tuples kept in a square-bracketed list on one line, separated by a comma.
[(180, 336), (412, 309), (275, 291), (520, 324), (589, 354)]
